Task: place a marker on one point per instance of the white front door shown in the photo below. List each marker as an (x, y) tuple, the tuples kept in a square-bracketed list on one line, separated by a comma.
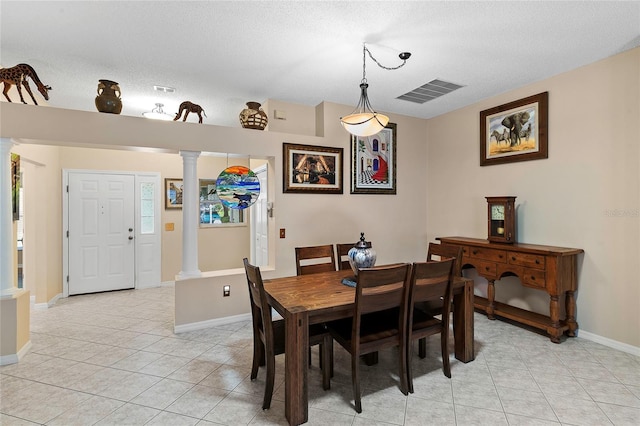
[(101, 232)]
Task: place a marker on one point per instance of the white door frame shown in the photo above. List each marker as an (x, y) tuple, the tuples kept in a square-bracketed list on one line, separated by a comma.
[(139, 177), (264, 211)]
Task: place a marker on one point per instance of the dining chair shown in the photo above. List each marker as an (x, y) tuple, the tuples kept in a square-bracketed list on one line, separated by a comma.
[(379, 320), (269, 336), (429, 281), (342, 250), (437, 252), (442, 250), (314, 259)]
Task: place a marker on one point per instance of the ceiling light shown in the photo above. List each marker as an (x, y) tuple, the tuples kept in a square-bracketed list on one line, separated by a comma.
[(364, 121), (157, 114)]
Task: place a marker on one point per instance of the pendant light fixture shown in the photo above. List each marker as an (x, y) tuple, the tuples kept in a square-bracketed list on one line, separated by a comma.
[(157, 113), (364, 121)]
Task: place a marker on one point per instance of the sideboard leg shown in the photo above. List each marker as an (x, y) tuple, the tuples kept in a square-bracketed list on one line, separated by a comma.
[(555, 319), (570, 306), (491, 295)]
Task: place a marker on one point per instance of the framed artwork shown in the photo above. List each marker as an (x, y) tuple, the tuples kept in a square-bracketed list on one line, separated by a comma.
[(312, 169), (173, 193), (373, 162), (516, 131)]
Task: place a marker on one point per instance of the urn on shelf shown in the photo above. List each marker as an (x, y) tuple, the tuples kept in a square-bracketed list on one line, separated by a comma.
[(108, 99), (361, 255), (253, 117)]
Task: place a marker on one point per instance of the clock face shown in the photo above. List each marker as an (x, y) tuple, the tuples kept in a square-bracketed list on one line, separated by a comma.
[(497, 212)]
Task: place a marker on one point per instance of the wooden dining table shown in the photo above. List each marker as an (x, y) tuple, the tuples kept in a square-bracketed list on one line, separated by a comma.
[(317, 298)]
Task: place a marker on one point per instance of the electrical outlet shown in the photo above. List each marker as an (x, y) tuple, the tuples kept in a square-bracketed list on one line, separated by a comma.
[(282, 233), (226, 291)]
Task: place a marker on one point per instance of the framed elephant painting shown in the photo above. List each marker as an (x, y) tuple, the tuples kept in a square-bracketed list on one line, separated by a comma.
[(516, 131)]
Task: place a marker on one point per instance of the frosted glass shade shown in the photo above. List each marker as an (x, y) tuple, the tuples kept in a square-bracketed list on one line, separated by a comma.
[(364, 123)]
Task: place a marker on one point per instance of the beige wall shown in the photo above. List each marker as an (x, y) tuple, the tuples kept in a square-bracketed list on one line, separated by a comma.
[(585, 195)]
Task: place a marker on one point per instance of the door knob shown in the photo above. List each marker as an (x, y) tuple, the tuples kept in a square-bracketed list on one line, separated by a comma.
[(130, 237), (130, 229)]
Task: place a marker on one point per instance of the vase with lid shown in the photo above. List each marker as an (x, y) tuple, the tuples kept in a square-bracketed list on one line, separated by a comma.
[(108, 99), (253, 117), (361, 255)]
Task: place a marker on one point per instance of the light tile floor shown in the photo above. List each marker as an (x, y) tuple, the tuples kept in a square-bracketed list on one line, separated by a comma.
[(113, 359)]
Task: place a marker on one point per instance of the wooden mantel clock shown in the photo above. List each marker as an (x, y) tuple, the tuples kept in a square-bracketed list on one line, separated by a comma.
[(501, 219)]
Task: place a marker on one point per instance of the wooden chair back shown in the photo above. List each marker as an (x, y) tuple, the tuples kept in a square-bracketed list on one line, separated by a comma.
[(311, 260), (430, 281), (260, 308), (342, 250), (378, 289), (442, 251)]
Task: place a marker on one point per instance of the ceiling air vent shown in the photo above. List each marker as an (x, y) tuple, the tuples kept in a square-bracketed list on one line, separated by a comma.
[(431, 90)]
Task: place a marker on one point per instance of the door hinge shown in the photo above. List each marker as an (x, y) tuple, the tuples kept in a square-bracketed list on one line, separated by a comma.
[(67, 278), (67, 234), (67, 188)]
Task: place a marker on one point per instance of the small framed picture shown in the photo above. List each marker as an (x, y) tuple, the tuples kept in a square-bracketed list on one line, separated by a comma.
[(312, 169), (173, 193)]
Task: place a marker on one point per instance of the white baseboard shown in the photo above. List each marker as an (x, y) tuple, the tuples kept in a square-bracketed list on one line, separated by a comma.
[(13, 358), (167, 283), (210, 323), (633, 350), (48, 304)]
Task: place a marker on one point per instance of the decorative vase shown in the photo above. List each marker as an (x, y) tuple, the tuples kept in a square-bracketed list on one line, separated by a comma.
[(253, 117), (108, 99), (361, 256)]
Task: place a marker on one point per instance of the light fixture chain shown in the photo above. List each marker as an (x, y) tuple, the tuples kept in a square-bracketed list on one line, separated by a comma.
[(404, 61)]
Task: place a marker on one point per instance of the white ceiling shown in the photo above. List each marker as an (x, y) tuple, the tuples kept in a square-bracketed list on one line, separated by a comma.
[(221, 54)]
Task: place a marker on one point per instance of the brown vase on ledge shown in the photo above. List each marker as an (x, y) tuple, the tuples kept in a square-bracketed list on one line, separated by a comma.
[(108, 99), (253, 117)]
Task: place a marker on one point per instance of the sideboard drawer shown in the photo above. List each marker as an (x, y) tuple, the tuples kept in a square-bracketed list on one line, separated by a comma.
[(486, 269), (488, 254), (526, 259), (533, 278)]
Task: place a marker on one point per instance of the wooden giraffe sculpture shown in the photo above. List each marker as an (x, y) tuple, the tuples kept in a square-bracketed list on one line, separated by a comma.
[(18, 76), (190, 107)]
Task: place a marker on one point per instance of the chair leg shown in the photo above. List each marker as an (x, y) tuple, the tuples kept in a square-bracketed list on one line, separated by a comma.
[(326, 349), (404, 387), (269, 381), (422, 347), (444, 341), (409, 370), (355, 379), (258, 357)]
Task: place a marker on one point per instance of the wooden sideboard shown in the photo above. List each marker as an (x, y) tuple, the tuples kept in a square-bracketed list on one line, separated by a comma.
[(552, 269)]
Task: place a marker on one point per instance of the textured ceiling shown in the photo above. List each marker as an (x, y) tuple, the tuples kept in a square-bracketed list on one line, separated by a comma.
[(223, 54)]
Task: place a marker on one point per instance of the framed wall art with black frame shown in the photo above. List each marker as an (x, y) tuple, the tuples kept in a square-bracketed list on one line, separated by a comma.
[(516, 131), (311, 169), (373, 162)]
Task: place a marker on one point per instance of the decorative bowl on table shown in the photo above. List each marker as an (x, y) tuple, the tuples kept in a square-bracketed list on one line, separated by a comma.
[(361, 256)]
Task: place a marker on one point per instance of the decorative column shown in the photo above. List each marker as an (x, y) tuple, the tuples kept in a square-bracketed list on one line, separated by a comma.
[(7, 244), (190, 214)]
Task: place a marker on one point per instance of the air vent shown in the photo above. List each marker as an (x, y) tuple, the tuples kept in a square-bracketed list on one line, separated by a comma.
[(164, 89), (431, 90)]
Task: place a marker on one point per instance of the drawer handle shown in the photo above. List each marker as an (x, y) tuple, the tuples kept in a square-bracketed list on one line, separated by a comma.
[(513, 258), (537, 262), (500, 256), (475, 252), (533, 278), (486, 268)]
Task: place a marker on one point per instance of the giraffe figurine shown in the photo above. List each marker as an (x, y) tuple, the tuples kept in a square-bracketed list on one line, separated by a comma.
[(190, 107), (18, 76)]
